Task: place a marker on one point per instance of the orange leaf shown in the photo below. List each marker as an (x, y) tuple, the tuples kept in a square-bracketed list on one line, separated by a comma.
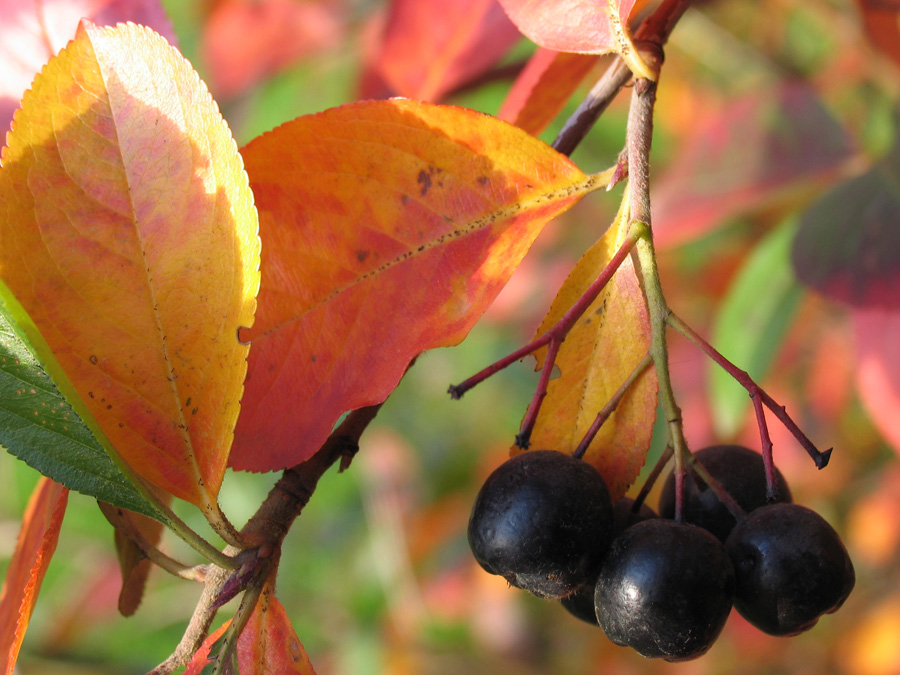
[(130, 238), (595, 27), (390, 226), (32, 32), (268, 644), (543, 88), (34, 549), (429, 47), (597, 356)]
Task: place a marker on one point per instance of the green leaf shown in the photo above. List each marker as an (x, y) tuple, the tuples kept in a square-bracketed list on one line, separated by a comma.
[(38, 426), (752, 321)]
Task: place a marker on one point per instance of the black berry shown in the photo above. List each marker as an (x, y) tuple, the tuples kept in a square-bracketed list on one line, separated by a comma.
[(790, 568), (665, 589), (581, 603), (740, 471), (542, 520)]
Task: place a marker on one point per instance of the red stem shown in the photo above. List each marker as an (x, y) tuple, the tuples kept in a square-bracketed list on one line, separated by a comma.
[(756, 392), (555, 335)]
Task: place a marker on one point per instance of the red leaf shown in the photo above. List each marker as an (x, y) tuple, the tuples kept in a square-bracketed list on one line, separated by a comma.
[(390, 226), (848, 244), (430, 47), (741, 156), (878, 369), (31, 32), (544, 87), (580, 26), (268, 644), (881, 19), (245, 41), (34, 549)]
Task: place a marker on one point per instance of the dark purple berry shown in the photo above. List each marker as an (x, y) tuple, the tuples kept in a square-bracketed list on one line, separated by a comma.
[(790, 568), (543, 521), (665, 589), (581, 603), (741, 473)]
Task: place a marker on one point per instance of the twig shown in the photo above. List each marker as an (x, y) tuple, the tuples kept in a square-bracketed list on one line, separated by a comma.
[(654, 30), (265, 531), (556, 333), (756, 393), (611, 406)]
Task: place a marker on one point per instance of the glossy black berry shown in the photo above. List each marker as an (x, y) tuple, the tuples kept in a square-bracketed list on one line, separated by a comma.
[(542, 520), (740, 471), (581, 603), (665, 589), (790, 568)]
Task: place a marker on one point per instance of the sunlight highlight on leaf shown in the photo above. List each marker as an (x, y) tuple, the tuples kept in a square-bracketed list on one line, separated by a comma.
[(390, 227), (128, 235), (597, 356)]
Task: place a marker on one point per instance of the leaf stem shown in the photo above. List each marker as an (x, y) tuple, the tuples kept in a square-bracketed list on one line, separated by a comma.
[(121, 520), (757, 393)]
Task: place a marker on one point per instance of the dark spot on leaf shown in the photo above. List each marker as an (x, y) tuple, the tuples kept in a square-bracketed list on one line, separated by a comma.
[(362, 255), (483, 181), (424, 180), (313, 358), (94, 359)]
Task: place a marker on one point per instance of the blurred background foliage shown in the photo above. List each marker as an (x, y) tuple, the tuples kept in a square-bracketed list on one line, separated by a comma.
[(376, 573)]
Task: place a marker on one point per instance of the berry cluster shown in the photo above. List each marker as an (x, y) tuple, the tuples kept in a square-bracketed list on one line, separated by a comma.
[(545, 521)]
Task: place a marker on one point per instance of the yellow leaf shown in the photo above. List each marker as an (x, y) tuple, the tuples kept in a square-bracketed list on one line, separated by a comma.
[(129, 237), (597, 356)]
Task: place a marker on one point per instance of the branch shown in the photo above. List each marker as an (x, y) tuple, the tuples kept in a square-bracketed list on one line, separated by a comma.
[(653, 32)]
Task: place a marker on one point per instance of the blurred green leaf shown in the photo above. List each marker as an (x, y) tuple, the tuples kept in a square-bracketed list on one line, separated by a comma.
[(753, 318), (38, 426)]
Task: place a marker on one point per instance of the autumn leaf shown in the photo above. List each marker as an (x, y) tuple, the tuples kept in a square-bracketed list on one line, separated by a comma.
[(390, 226), (580, 26), (878, 369), (34, 549), (245, 41), (429, 47), (39, 426), (133, 563), (268, 644), (748, 153), (542, 89), (881, 19), (128, 235), (598, 355), (848, 243), (32, 32)]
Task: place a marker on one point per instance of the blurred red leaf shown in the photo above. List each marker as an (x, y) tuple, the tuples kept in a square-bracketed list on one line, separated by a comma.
[(132, 300), (881, 19), (878, 369), (245, 41), (543, 88), (745, 154), (848, 244), (32, 32), (268, 644), (34, 549), (430, 47), (390, 226), (580, 26)]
